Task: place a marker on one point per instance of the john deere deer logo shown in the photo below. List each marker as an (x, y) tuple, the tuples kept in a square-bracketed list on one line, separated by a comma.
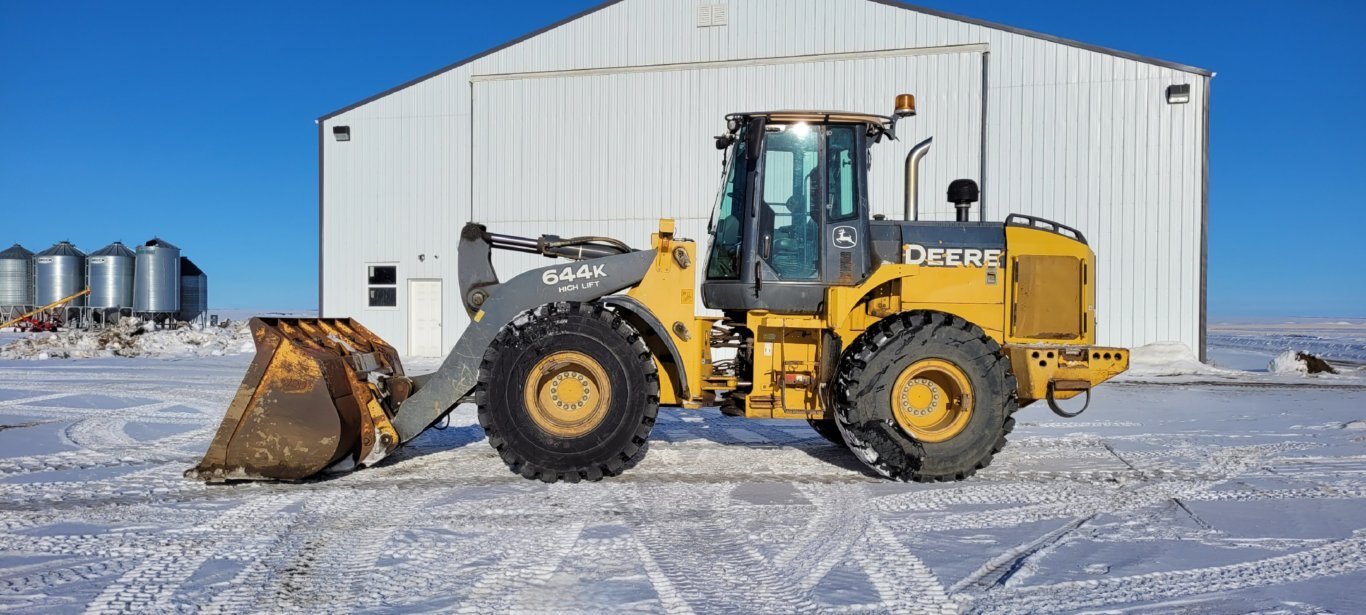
[(845, 237)]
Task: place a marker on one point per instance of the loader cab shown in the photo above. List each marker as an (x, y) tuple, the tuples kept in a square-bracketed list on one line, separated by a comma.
[(791, 218)]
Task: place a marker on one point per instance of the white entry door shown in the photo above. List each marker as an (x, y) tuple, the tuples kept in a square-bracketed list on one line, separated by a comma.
[(424, 318)]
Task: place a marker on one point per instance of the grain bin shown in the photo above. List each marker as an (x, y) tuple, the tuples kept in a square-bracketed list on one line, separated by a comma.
[(58, 273), (110, 272), (156, 278), (194, 291), (16, 281)]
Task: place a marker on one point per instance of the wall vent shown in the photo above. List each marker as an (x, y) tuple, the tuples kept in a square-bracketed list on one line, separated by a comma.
[(1179, 94), (710, 15)]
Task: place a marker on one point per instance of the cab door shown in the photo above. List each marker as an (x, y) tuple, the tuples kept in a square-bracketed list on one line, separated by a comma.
[(789, 198), (812, 222)]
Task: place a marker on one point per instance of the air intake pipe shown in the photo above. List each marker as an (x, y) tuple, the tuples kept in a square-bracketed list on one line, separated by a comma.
[(963, 193), (913, 177)]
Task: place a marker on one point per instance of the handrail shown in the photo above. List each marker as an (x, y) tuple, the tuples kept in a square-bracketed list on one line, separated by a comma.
[(50, 306)]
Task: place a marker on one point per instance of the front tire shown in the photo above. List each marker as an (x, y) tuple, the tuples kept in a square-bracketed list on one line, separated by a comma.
[(568, 392), (925, 396)]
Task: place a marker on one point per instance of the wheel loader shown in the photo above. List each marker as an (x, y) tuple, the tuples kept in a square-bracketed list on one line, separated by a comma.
[(910, 342)]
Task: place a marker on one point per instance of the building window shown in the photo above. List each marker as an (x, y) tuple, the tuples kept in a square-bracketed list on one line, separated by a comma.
[(382, 284)]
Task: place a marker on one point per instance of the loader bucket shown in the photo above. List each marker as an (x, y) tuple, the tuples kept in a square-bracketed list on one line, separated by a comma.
[(318, 396)]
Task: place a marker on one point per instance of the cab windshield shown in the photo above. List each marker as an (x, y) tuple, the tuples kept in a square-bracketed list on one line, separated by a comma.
[(727, 221)]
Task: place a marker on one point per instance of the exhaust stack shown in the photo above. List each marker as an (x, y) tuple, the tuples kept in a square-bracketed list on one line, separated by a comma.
[(913, 158)]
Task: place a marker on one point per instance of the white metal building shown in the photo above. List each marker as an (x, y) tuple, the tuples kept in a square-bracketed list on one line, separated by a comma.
[(602, 123)]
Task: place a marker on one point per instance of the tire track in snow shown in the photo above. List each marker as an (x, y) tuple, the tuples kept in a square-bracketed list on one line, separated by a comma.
[(1333, 559), (904, 583), (102, 439), (1000, 569), (728, 576), (22, 402), (163, 451), (29, 591), (151, 585), (986, 582), (358, 533), (831, 529), (158, 483), (316, 541), (669, 596), (527, 563)]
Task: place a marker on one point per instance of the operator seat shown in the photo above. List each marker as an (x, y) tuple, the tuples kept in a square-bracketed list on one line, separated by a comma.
[(796, 246)]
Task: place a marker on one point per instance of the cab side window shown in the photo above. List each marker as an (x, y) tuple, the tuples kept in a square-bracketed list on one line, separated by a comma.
[(727, 225)]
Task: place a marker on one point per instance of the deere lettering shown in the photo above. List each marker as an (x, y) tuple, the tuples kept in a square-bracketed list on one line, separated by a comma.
[(915, 254)]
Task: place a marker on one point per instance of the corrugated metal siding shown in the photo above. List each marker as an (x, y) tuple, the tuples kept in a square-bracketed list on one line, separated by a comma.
[(549, 171), (1072, 134)]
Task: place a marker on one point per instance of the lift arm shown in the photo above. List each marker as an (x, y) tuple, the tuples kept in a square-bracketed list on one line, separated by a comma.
[(605, 267)]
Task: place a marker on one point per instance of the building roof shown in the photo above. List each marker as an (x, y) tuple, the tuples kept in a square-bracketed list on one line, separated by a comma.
[(62, 248), (188, 268), (1052, 39), (892, 3), (16, 252), (114, 249), (157, 242)]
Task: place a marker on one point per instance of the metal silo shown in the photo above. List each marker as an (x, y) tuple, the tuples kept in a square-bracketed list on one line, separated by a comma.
[(156, 278), (16, 281), (58, 273), (194, 291), (110, 272)]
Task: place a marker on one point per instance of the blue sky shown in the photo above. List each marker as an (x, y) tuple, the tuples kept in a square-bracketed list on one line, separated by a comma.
[(194, 122)]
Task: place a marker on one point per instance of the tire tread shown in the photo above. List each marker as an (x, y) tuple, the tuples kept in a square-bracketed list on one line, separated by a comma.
[(511, 336), (878, 441)]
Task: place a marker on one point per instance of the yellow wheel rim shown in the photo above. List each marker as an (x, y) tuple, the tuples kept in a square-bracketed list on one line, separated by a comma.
[(567, 394), (932, 400)]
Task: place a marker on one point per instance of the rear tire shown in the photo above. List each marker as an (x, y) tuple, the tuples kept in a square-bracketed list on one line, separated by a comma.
[(940, 358), (568, 392)]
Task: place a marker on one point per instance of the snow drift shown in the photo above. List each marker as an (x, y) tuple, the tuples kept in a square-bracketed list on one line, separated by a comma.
[(132, 338), (1169, 359)]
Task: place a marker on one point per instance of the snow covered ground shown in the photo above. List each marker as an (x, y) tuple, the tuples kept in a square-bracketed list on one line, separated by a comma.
[(1334, 339), (1189, 493)]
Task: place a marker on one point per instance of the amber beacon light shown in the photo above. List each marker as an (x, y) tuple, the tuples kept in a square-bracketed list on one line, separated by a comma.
[(905, 105)]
